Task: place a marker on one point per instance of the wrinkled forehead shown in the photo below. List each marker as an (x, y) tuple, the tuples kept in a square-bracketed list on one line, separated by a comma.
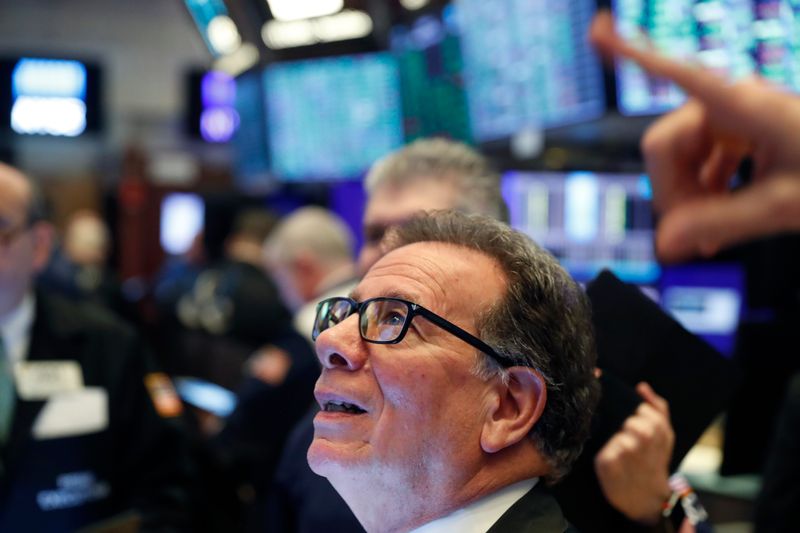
[(445, 278), (394, 203)]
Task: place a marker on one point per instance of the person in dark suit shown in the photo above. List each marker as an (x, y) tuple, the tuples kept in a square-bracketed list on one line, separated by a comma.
[(88, 430), (454, 383)]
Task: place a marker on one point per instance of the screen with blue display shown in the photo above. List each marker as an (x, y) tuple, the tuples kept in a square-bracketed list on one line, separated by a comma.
[(589, 221), (49, 97), (434, 100), (707, 299), (735, 38), (251, 153), (528, 64), (331, 118)]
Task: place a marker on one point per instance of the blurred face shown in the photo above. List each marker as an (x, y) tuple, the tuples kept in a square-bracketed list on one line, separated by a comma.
[(23, 248), (392, 205), (406, 413)]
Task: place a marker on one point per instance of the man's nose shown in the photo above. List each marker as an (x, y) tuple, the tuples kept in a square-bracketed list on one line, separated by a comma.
[(341, 346)]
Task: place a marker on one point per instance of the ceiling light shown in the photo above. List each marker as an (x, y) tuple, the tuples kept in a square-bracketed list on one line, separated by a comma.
[(350, 24), (286, 10), (244, 58), (223, 35), (413, 5)]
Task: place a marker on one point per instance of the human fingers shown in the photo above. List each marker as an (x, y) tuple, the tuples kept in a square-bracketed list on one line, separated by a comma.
[(721, 164), (758, 105), (652, 427), (652, 398), (703, 226), (675, 148)]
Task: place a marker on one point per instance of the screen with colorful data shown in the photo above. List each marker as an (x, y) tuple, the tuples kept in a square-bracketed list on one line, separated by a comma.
[(707, 299), (735, 38), (528, 64), (251, 152), (428, 53), (331, 118), (589, 221)]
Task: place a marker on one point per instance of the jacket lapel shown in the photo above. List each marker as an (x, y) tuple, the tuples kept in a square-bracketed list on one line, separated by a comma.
[(50, 340), (537, 512)]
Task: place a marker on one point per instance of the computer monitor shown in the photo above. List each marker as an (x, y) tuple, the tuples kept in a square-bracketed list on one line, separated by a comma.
[(249, 142), (428, 53), (48, 96), (331, 118), (707, 299), (528, 65), (735, 38), (589, 221), (182, 219)]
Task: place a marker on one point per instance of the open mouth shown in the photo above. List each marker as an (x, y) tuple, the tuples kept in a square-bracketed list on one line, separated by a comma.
[(342, 407)]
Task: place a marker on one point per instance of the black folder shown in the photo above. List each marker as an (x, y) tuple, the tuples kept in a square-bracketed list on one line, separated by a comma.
[(637, 341)]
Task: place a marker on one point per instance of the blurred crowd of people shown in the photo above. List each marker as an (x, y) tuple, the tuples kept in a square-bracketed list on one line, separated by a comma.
[(201, 420)]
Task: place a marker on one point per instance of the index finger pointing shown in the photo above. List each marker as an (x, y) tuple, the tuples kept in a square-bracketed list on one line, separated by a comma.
[(724, 104)]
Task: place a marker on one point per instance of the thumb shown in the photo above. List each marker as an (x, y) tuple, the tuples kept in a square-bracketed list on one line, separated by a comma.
[(704, 226)]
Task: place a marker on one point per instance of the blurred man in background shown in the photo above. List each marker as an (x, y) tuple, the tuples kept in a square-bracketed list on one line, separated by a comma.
[(88, 430), (310, 254)]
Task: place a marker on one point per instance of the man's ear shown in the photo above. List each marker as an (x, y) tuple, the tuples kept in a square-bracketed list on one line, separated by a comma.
[(519, 405)]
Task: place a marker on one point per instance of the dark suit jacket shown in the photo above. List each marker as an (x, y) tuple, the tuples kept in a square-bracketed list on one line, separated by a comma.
[(536, 512), (136, 462)]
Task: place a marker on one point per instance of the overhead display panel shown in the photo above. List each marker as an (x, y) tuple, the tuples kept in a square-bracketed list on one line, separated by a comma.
[(331, 118), (528, 64)]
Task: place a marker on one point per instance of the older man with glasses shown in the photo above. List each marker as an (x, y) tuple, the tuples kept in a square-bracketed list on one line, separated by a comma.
[(455, 384)]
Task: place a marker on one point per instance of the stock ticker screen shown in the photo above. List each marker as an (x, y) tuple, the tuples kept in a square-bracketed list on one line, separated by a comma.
[(589, 221), (429, 56), (527, 63), (329, 119), (251, 151), (735, 38)]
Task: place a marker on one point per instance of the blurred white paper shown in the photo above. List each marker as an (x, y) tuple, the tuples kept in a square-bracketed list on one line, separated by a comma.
[(73, 413)]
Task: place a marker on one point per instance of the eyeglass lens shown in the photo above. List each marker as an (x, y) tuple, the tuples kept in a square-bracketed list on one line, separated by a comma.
[(382, 320)]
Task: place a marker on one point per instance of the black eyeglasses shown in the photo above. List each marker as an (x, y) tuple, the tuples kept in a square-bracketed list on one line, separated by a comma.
[(386, 320)]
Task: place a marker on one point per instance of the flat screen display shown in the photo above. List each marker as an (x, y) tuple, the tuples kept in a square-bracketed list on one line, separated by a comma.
[(528, 64), (182, 219), (589, 221), (250, 148), (707, 299), (735, 38), (47, 96), (428, 53), (330, 119)]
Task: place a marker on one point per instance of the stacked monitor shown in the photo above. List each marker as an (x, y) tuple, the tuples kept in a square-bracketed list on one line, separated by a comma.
[(592, 221), (589, 221), (433, 97), (736, 38), (331, 118), (528, 64), (251, 151)]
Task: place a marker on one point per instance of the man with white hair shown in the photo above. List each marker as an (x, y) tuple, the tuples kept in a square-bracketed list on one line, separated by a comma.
[(310, 255)]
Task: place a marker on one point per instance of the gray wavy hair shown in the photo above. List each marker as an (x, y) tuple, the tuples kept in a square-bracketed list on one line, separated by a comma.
[(448, 161), (542, 321)]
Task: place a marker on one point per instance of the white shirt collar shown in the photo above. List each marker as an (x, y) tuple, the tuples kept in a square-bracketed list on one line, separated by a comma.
[(481, 514), (15, 329)]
